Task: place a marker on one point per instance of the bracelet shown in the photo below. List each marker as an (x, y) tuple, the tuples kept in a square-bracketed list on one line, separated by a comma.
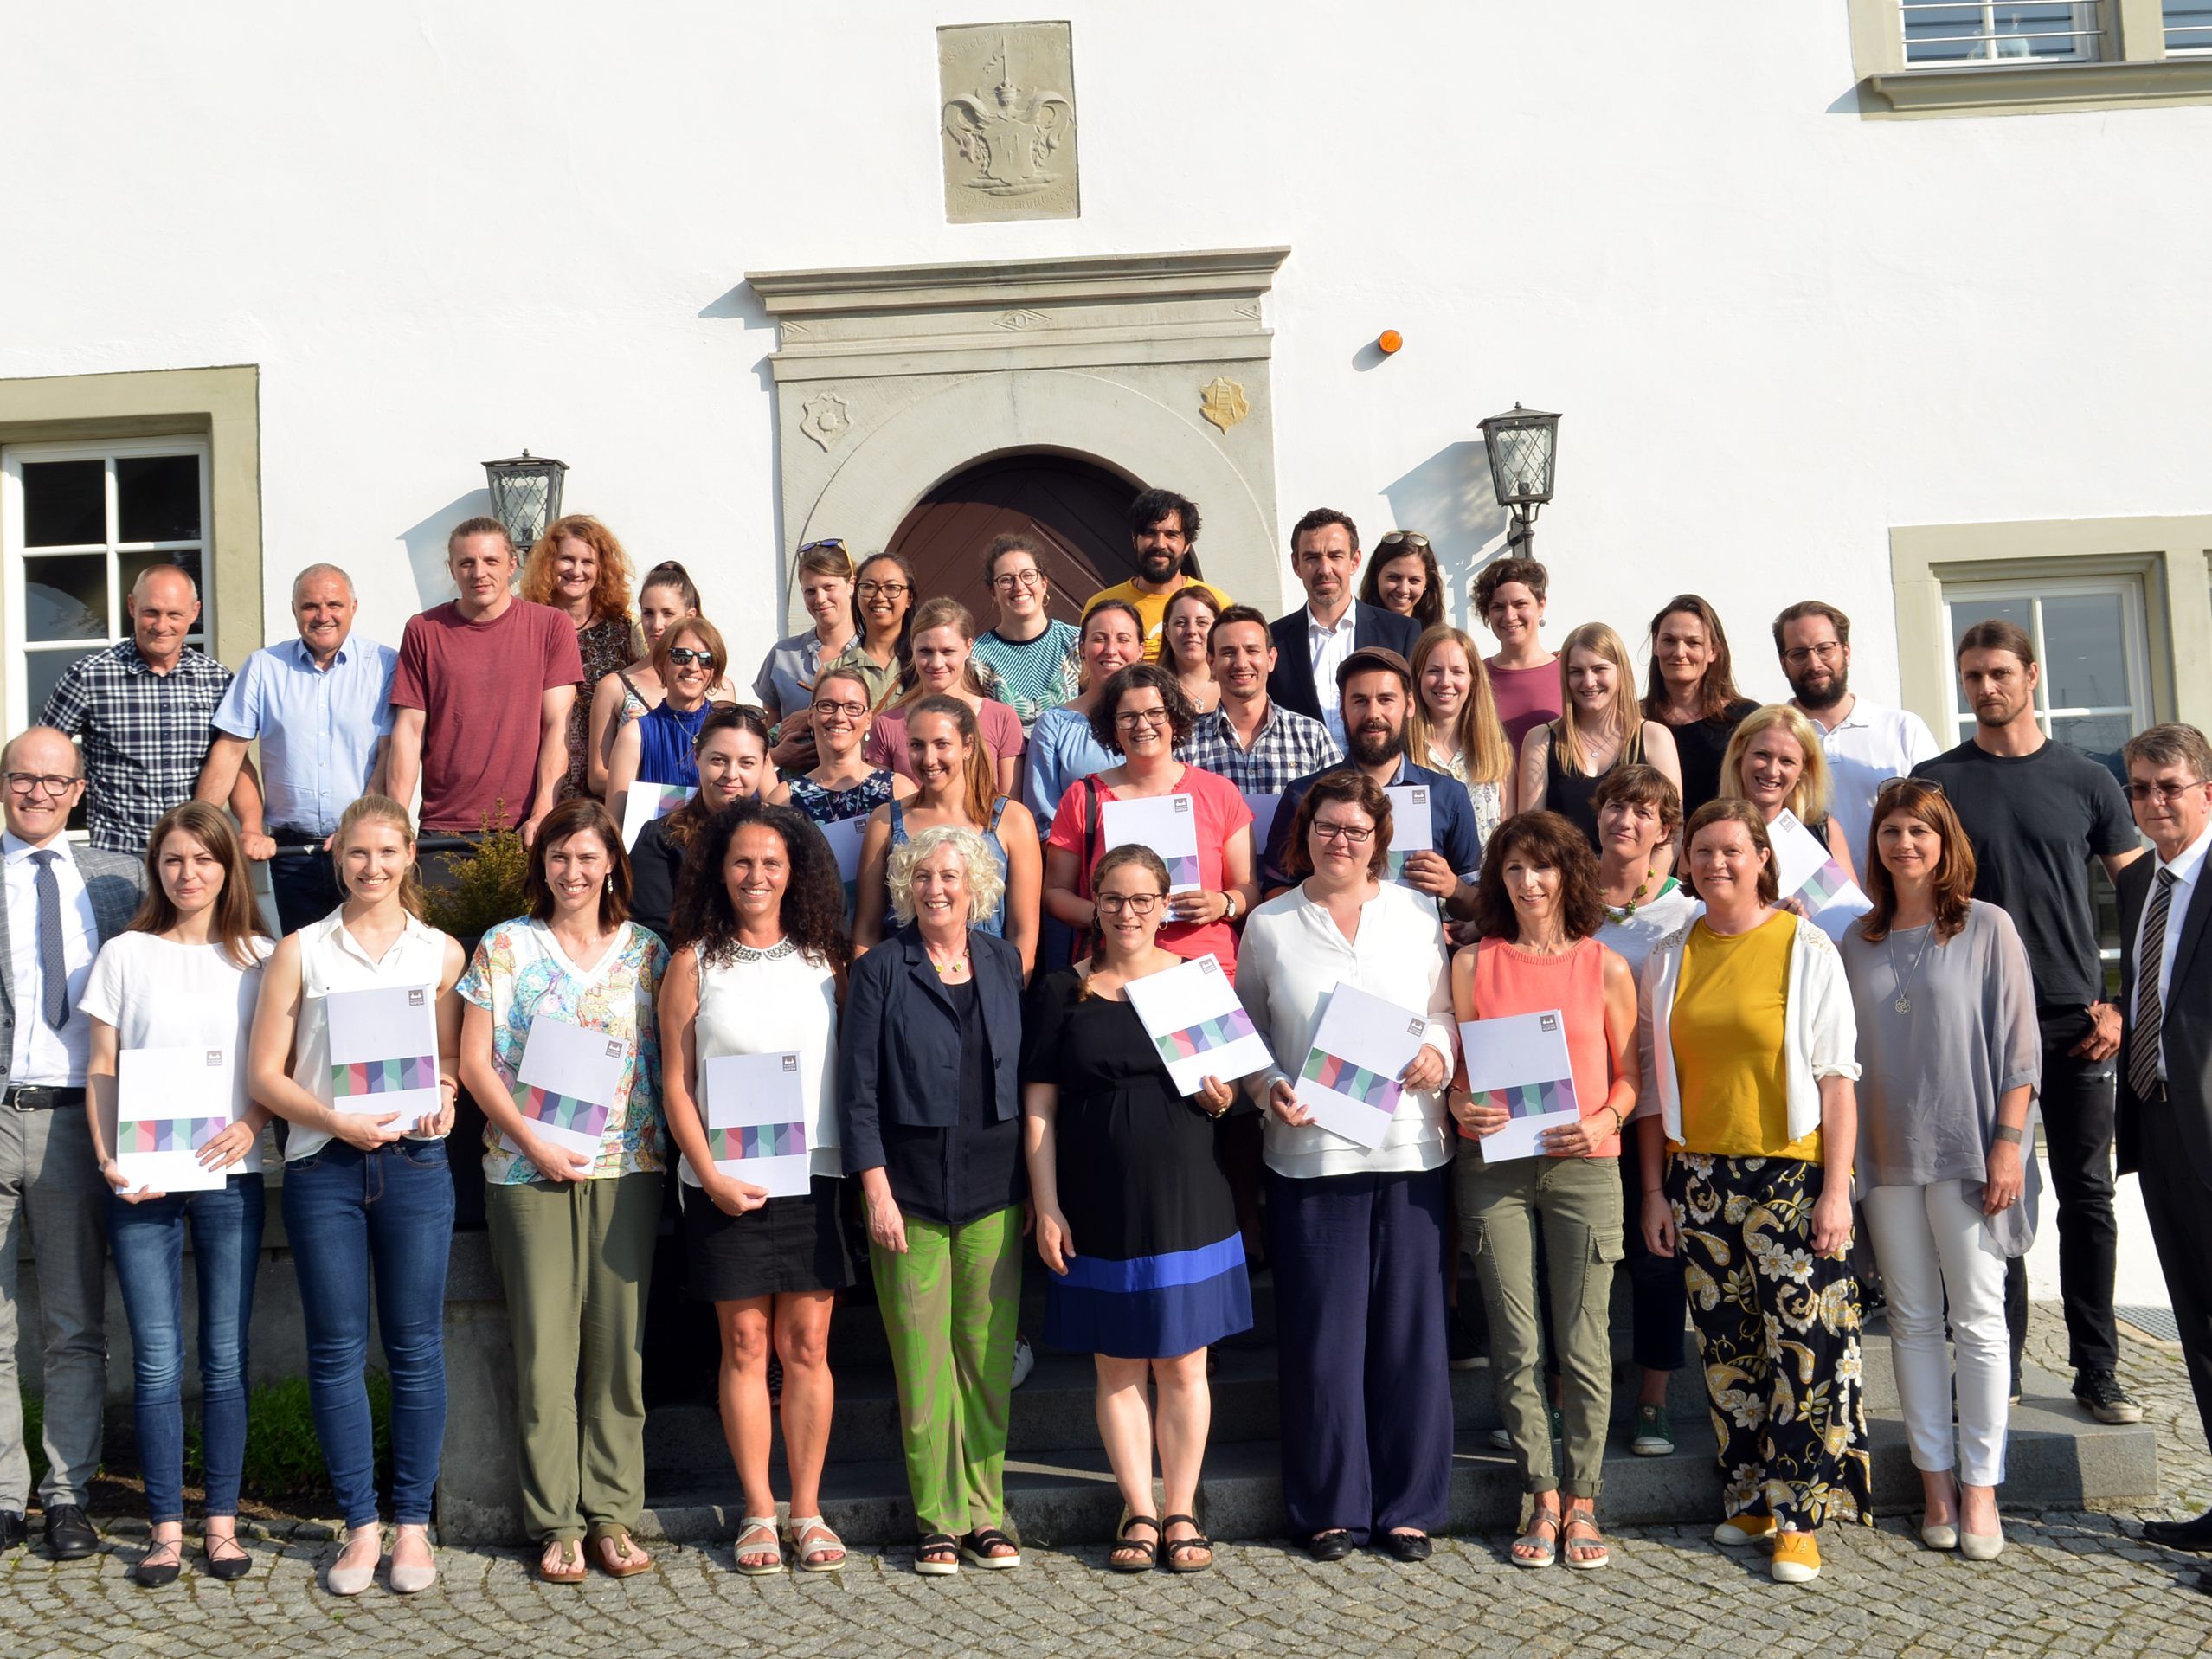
[(2006, 1133)]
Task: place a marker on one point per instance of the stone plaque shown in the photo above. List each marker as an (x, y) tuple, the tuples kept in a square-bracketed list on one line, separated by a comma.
[(1007, 121)]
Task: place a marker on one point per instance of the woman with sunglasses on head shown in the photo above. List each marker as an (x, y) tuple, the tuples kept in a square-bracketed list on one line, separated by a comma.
[(1453, 725), (656, 748), (1185, 630), (882, 620), (944, 636), (580, 570), (784, 687), (666, 595), (1402, 576), (1952, 1056), (731, 757), (955, 789), (1692, 691), (1029, 659), (1602, 727), (185, 975)]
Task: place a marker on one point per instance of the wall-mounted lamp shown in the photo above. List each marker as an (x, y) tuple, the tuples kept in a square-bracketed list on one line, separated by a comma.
[(526, 495)]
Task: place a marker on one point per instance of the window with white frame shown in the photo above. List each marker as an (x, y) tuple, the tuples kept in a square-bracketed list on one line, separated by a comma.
[(1956, 34), (78, 523), (2188, 26)]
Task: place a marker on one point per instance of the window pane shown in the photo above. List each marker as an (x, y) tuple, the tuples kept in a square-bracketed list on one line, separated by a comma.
[(2085, 651), (41, 670), (66, 598), (1937, 34), (2043, 30), (129, 566), (2189, 26), (65, 503), (157, 498), (2098, 735)]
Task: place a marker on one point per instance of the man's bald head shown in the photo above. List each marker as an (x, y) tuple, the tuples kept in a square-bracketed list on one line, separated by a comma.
[(165, 608)]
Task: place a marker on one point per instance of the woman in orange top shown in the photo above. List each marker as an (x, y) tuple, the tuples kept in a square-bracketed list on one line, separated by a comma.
[(1536, 909)]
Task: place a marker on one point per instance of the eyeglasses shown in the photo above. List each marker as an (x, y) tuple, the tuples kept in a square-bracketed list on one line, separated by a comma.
[(1011, 579), (1799, 656), (1135, 903), (25, 783), (1345, 834), (1403, 538), (1135, 717), (884, 591), (684, 657), (850, 710), (2137, 790), (837, 541)]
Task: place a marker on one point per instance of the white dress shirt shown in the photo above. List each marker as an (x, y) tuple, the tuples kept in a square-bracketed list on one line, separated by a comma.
[(1866, 749), (2186, 866), (1327, 647), (43, 1055)]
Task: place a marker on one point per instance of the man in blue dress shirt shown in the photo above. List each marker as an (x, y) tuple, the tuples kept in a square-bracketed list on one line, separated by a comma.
[(321, 706)]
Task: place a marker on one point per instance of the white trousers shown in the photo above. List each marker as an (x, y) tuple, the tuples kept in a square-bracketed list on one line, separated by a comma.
[(1931, 1245)]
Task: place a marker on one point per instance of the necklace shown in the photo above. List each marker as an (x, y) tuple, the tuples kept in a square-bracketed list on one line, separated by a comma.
[(1904, 1003), (957, 965), (776, 952), (1635, 899)]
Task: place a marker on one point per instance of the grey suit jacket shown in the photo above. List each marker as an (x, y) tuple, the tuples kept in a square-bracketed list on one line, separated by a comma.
[(2186, 1027), (115, 883)]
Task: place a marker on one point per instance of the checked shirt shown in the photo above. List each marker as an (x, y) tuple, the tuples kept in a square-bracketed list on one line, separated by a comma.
[(145, 736)]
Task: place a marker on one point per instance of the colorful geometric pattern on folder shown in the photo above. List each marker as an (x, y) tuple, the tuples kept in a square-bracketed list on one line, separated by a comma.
[(562, 1112), (171, 1133), (667, 797), (1206, 1035), (1827, 881), (1341, 1077), (1182, 872), (383, 1077), (1527, 1099), (1393, 865), (757, 1141)]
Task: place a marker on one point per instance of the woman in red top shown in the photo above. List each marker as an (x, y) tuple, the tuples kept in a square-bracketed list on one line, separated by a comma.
[(1536, 909), (1143, 715)]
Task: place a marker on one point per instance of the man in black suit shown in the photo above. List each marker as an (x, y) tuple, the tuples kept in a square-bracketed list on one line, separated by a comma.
[(1310, 645), (2165, 1096)]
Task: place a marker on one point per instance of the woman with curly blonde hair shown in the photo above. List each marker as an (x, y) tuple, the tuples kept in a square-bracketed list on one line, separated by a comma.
[(579, 568)]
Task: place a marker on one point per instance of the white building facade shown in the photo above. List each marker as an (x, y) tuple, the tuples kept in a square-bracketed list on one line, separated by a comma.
[(1877, 301)]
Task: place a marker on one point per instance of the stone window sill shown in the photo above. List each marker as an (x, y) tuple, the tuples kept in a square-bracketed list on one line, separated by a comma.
[(2036, 88)]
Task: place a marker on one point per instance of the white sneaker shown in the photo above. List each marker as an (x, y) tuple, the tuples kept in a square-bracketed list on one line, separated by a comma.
[(1024, 1360)]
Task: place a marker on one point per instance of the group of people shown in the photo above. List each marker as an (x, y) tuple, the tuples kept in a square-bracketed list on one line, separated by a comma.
[(893, 870)]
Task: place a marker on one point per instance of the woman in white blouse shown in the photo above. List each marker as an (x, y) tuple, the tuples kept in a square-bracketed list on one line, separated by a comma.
[(1356, 1235)]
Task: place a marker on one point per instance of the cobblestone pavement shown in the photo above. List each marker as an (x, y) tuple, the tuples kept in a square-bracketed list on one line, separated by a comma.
[(2067, 1583)]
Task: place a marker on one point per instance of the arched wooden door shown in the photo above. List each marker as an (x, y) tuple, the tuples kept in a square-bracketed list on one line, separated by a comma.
[(1075, 507)]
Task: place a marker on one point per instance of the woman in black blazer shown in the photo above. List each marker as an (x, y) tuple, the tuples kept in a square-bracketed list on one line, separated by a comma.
[(931, 1045)]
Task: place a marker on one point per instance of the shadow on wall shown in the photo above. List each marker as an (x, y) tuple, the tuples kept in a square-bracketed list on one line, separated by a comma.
[(740, 305), (425, 542), (1448, 498)]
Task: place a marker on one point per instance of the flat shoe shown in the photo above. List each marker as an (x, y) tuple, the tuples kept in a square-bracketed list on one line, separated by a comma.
[(351, 1581), (232, 1565), (154, 1573), (1407, 1546), (1331, 1545)]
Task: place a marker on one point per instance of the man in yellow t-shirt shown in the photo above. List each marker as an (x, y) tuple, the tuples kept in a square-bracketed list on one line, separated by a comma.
[(1163, 531)]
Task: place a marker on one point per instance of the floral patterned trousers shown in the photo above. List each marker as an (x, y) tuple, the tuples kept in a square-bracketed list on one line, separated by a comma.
[(1778, 1330)]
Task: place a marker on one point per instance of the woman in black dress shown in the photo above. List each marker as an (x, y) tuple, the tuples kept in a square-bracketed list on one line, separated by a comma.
[(1134, 1212), (1692, 691)]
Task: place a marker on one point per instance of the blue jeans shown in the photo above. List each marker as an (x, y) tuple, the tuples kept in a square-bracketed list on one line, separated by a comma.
[(391, 1211), (147, 1241)]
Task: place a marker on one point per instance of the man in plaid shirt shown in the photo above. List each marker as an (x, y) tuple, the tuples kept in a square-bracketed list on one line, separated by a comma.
[(1258, 745), (141, 711)]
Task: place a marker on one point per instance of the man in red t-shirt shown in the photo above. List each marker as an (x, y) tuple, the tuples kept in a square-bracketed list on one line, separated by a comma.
[(480, 700)]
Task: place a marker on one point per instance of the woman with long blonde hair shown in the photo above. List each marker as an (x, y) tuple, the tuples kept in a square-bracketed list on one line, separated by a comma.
[(1601, 725), (579, 568), (1775, 761), (1453, 725)]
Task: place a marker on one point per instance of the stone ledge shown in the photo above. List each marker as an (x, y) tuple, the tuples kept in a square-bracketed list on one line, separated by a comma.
[(2036, 88)]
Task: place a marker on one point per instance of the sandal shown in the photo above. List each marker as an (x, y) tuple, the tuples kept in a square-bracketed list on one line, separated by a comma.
[(773, 1548), (1543, 1535), (1198, 1543), (1587, 1554), (990, 1547), (825, 1554), (625, 1560), (562, 1562), (1145, 1551), (937, 1556)]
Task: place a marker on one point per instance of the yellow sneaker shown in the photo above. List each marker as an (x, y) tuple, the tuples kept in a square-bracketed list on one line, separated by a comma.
[(1797, 1558), (1741, 1532)]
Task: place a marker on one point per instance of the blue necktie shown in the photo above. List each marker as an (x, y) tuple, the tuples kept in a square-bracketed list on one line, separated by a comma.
[(51, 969)]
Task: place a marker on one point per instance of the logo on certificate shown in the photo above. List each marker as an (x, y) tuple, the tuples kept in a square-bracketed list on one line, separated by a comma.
[(215, 1056), (791, 1063), (1416, 1027), (1419, 797), (1548, 1022), (1182, 803), (614, 1049), (415, 998)]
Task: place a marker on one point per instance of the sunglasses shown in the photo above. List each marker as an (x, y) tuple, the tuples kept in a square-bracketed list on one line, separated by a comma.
[(684, 657), (837, 541), (1403, 538)]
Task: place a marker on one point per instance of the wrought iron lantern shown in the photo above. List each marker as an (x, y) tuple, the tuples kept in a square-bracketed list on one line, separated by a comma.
[(526, 495), (1523, 447)]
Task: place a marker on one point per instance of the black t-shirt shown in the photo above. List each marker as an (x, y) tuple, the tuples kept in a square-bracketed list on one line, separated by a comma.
[(2035, 822), (1702, 746)]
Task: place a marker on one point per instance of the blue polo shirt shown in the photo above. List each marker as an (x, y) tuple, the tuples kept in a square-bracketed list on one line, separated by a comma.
[(1452, 822), (319, 728)]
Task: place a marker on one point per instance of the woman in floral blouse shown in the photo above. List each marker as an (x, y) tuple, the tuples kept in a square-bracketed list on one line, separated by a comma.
[(572, 1182)]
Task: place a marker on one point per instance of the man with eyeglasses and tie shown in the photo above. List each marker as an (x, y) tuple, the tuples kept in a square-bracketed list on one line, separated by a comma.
[(1866, 743), (63, 903), (2165, 1096)]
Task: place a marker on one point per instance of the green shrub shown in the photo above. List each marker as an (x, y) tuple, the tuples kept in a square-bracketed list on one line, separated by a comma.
[(283, 1457), (482, 887)]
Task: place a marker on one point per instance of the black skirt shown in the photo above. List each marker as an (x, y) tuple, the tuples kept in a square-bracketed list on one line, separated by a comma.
[(787, 1244)]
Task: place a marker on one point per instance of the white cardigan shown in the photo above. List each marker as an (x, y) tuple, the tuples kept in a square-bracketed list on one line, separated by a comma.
[(1820, 1033)]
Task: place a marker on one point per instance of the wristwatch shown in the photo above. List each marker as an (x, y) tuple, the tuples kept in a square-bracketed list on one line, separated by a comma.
[(1229, 904)]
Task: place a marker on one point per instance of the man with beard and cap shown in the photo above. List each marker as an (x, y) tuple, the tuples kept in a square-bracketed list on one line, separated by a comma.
[(1866, 743), (1312, 645), (2037, 811), (1163, 534), (1375, 688)]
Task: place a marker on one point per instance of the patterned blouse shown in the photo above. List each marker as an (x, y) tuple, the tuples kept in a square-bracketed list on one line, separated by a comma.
[(520, 972), (826, 806), (605, 647)]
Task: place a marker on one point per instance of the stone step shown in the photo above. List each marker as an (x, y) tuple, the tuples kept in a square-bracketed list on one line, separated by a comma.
[(2058, 1460)]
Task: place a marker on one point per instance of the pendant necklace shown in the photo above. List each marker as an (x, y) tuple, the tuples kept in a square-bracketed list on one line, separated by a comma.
[(1635, 899), (1904, 1003)]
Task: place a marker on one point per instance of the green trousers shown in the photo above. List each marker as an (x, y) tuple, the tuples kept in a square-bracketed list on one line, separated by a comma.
[(950, 1306), (1578, 1203), (575, 1259)]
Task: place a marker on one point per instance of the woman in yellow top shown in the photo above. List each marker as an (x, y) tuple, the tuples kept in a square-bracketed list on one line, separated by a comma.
[(1752, 1041)]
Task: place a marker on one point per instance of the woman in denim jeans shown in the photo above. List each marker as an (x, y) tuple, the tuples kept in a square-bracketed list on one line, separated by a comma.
[(366, 1194), (185, 976)]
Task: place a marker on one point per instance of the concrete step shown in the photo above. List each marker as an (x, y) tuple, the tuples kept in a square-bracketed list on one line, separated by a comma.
[(2059, 1459)]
